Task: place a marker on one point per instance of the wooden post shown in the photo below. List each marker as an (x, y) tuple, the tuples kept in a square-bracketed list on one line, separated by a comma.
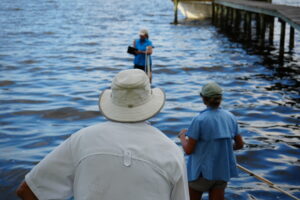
[(292, 37), (213, 13), (262, 30), (221, 17), (237, 21), (229, 18), (249, 27), (234, 11), (282, 38), (176, 11), (257, 26), (271, 30), (225, 14), (232, 18), (218, 15), (245, 24)]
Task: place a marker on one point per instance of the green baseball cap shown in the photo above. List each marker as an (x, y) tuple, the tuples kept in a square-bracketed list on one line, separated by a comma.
[(211, 89)]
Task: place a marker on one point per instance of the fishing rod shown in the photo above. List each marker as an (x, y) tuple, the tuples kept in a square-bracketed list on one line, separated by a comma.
[(265, 181), (147, 63)]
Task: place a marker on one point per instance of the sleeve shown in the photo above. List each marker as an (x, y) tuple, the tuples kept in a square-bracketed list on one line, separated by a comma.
[(194, 129), (180, 190), (52, 178)]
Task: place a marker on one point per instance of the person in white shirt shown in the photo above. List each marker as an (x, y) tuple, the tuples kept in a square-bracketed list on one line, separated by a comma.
[(123, 158)]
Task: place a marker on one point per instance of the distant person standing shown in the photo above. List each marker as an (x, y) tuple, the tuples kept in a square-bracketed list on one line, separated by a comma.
[(209, 144), (142, 59)]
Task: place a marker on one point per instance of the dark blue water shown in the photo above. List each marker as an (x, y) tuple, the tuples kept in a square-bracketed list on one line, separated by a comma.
[(56, 56)]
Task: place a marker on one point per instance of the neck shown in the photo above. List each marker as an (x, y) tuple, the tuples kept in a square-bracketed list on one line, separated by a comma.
[(213, 107)]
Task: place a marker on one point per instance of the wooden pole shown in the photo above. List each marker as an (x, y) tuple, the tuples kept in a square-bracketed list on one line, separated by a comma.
[(218, 15), (292, 38), (237, 21), (176, 11), (221, 17), (257, 26), (245, 24), (282, 39), (266, 181), (226, 18), (213, 13), (262, 30), (271, 30), (230, 18), (249, 27)]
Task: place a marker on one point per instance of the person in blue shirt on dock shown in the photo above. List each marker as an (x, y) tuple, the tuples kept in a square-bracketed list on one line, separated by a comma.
[(144, 50), (209, 143)]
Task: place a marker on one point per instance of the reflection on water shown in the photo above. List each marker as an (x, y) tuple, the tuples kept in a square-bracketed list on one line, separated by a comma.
[(56, 57)]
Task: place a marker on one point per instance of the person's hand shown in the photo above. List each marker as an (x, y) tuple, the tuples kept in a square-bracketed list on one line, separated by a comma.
[(182, 132)]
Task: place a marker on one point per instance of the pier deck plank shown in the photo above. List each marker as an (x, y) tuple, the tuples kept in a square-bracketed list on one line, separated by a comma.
[(289, 14)]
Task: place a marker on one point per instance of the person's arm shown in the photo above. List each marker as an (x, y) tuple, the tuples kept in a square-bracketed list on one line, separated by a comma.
[(149, 50), (137, 51), (134, 45), (188, 144), (52, 177), (25, 193), (238, 142)]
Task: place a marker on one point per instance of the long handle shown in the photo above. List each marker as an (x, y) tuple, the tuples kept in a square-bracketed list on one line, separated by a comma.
[(266, 181), (147, 60)]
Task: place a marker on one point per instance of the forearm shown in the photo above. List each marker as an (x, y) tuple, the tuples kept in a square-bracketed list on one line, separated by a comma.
[(238, 142), (183, 141), (25, 193), (144, 52), (188, 144)]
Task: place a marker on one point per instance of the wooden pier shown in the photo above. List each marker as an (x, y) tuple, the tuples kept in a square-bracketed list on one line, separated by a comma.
[(246, 17)]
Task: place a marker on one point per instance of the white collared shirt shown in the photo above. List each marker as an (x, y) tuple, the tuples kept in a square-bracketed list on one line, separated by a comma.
[(112, 161)]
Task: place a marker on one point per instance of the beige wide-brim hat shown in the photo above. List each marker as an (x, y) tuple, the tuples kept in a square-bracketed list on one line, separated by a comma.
[(131, 98)]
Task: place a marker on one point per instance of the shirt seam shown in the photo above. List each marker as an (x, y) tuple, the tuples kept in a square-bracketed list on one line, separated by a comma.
[(156, 168)]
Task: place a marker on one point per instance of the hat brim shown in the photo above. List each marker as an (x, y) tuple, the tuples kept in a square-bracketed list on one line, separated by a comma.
[(131, 114)]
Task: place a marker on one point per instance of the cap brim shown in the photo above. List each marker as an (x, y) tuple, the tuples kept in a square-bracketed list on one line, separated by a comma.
[(131, 114)]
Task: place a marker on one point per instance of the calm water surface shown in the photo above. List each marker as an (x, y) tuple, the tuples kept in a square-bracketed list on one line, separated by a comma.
[(57, 55)]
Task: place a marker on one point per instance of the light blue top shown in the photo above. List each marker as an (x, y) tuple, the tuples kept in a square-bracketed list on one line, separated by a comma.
[(213, 157), (140, 59)]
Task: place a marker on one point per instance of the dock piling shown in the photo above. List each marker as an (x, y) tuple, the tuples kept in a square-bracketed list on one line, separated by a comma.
[(282, 39), (176, 11), (237, 21), (249, 27), (271, 30), (292, 38), (262, 30)]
